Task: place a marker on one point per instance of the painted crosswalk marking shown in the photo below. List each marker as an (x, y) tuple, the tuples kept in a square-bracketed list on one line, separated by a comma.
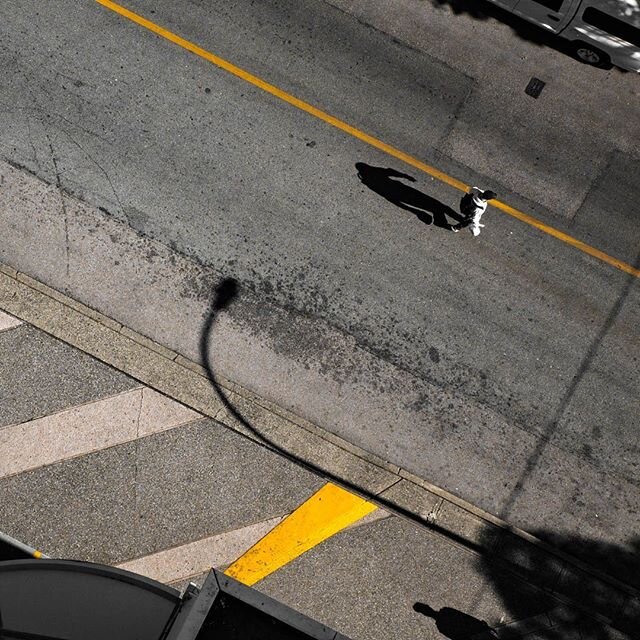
[(87, 428), (327, 512), (250, 552), (191, 559), (8, 322)]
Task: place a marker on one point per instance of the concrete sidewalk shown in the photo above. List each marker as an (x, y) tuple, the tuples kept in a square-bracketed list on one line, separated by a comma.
[(128, 403), (436, 529)]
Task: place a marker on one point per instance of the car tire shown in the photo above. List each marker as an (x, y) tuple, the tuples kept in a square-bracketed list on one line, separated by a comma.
[(591, 55)]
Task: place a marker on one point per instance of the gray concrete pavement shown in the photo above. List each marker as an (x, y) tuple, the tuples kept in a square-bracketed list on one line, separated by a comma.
[(116, 503), (67, 441), (359, 568), (380, 394), (501, 370), (154, 500), (43, 376), (548, 150), (157, 492)]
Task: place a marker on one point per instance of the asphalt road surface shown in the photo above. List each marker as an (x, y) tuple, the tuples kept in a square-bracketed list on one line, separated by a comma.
[(503, 368)]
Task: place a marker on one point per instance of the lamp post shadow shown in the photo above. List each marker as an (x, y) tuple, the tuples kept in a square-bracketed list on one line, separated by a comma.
[(386, 183)]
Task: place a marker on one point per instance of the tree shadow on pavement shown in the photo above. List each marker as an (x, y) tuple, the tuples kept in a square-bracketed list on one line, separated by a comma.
[(614, 560), (454, 624), (599, 608), (386, 183)]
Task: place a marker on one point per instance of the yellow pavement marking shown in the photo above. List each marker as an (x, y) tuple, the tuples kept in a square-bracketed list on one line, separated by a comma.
[(361, 135), (324, 514), (574, 242)]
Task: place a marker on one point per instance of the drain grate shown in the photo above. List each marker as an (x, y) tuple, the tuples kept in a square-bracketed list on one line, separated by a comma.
[(535, 87)]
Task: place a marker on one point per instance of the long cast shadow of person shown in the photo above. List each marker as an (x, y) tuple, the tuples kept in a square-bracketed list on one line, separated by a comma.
[(424, 207), (454, 624)]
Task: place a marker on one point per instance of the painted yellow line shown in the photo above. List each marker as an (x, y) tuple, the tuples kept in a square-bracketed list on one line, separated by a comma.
[(360, 135), (327, 512), (574, 242)]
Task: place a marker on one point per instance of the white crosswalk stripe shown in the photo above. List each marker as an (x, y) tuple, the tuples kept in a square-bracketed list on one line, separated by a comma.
[(87, 428), (194, 558), (8, 322)]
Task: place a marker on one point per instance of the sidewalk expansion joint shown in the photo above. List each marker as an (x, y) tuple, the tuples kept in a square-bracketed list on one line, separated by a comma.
[(391, 487)]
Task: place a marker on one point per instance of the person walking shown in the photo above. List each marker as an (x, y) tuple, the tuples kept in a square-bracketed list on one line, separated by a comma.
[(472, 206)]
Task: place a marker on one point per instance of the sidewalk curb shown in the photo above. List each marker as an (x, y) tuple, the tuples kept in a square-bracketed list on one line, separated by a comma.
[(170, 373)]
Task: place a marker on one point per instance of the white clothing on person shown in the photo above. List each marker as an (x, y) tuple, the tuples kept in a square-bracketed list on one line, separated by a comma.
[(480, 206)]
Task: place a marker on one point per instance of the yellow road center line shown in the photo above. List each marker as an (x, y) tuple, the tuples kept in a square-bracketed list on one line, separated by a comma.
[(565, 237), (324, 514), (364, 137)]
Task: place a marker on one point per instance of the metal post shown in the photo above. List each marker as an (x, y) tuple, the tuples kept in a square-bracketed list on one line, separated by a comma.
[(20, 546)]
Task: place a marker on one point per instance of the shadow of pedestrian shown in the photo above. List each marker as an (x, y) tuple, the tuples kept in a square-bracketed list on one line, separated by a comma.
[(385, 183), (454, 624)]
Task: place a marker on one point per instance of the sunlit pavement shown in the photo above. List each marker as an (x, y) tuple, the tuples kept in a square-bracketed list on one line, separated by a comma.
[(503, 369), (99, 467)]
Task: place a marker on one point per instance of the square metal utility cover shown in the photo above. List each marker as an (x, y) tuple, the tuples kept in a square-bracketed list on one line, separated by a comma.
[(535, 87)]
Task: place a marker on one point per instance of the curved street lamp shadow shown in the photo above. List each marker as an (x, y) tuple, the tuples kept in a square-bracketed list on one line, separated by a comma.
[(501, 577), (225, 293)]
